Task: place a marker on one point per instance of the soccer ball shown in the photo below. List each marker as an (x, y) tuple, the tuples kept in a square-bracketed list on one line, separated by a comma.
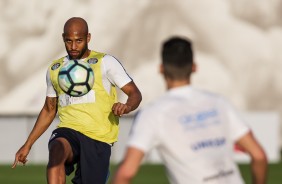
[(76, 78)]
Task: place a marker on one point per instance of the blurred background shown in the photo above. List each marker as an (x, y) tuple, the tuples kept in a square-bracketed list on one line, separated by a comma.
[(237, 46)]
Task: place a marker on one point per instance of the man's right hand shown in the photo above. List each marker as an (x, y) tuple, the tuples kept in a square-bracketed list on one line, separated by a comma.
[(21, 156)]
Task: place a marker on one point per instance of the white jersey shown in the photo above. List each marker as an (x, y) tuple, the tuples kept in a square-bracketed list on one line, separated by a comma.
[(113, 73), (194, 132)]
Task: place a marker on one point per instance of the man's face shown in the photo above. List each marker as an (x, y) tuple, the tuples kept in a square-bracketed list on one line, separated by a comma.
[(76, 44)]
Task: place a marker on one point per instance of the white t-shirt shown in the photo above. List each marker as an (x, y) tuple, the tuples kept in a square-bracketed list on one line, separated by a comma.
[(113, 73), (194, 132)]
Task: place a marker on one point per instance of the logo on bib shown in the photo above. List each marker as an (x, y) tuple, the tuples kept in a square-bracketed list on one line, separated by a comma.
[(92, 61), (55, 66)]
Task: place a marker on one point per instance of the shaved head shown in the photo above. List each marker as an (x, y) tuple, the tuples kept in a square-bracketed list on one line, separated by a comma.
[(76, 38), (76, 25)]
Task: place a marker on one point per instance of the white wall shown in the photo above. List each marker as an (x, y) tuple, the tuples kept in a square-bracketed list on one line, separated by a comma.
[(14, 131)]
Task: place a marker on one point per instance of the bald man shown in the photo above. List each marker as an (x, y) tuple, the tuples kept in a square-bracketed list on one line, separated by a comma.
[(89, 126)]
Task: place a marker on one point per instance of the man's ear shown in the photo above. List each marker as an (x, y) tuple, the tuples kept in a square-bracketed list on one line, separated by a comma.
[(88, 37), (161, 69), (63, 36)]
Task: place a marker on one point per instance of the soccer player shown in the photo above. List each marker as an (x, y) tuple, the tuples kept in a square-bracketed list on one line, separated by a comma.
[(88, 125), (193, 130)]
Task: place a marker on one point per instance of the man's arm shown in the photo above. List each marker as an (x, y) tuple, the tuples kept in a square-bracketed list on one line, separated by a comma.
[(129, 166), (45, 118), (258, 158), (133, 100)]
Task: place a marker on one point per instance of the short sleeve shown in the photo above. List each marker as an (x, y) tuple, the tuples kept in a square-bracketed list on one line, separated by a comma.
[(50, 92), (115, 72), (144, 132), (236, 123)]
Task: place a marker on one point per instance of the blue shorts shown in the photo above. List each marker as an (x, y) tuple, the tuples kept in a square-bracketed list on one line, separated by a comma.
[(92, 157)]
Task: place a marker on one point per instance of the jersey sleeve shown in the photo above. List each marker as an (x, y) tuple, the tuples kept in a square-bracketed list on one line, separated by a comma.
[(115, 72), (236, 123), (50, 92), (144, 132)]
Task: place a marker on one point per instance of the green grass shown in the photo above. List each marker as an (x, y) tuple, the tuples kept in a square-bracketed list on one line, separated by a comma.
[(274, 173), (149, 174)]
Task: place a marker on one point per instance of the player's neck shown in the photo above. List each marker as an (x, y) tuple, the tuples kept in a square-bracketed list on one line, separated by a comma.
[(176, 83), (87, 53)]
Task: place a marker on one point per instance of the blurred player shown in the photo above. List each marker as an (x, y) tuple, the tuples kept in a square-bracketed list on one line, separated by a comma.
[(193, 130), (89, 124)]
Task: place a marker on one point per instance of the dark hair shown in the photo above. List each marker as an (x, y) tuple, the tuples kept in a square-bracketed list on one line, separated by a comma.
[(177, 58)]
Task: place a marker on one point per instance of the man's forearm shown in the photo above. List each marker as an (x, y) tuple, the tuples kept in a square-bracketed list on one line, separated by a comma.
[(41, 125), (134, 100), (259, 171)]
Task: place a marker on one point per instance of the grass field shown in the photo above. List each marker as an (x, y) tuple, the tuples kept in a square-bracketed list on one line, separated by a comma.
[(149, 174)]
